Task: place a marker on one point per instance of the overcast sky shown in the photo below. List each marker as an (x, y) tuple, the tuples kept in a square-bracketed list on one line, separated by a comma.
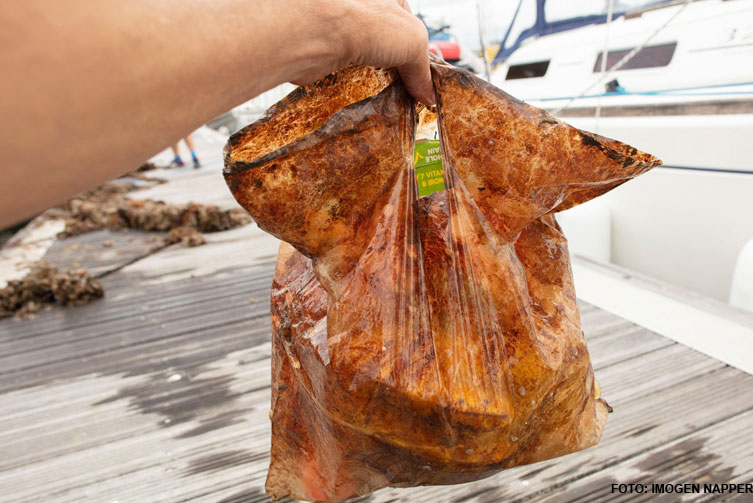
[(462, 16)]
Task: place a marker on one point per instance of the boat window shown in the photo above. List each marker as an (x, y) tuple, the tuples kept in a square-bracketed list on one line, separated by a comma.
[(649, 57), (558, 10), (527, 70)]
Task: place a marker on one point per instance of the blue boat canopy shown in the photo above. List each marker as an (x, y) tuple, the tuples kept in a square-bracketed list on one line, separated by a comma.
[(544, 26)]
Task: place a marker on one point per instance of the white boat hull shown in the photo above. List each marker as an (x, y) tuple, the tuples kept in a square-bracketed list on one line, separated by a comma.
[(685, 223)]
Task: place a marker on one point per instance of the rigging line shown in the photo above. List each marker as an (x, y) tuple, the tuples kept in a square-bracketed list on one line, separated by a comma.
[(482, 41), (604, 55), (503, 45), (625, 58)]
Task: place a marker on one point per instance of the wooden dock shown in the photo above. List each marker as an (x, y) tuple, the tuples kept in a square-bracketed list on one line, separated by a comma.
[(160, 393)]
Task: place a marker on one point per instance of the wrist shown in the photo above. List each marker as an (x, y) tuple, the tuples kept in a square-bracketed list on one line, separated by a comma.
[(335, 21), (322, 39), (344, 28)]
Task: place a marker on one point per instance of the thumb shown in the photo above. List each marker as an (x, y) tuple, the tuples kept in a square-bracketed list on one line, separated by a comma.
[(415, 72), (417, 78)]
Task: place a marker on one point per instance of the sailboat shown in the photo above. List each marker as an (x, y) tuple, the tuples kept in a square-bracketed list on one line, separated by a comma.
[(674, 78)]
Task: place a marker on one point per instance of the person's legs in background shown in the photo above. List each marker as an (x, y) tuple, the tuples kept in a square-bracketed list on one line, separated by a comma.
[(189, 142), (177, 161)]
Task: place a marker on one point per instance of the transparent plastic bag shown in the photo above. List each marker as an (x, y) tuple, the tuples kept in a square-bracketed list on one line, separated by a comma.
[(421, 340)]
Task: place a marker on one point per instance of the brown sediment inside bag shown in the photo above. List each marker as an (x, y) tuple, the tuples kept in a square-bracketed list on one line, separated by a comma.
[(422, 341)]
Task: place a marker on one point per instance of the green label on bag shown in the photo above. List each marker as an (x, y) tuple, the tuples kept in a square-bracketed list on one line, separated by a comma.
[(428, 166)]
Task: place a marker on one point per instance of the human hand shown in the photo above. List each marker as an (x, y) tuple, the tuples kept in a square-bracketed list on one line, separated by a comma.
[(146, 94), (376, 33)]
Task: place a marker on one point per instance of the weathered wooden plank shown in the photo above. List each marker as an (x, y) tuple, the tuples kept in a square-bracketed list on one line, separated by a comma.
[(146, 315), (135, 298), (158, 316), (638, 424), (205, 344), (622, 343), (715, 454), (125, 340), (649, 372), (603, 324), (102, 251), (136, 326), (136, 417), (101, 409), (740, 498), (78, 319), (261, 418)]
